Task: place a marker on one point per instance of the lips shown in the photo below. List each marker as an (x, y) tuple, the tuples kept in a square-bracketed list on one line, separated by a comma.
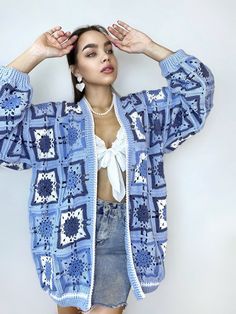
[(108, 68)]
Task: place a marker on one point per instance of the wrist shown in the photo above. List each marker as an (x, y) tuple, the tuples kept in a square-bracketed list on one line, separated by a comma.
[(157, 52), (29, 59), (149, 47), (35, 54)]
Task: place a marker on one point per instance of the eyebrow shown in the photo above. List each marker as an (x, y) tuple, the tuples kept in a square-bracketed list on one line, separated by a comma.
[(95, 45)]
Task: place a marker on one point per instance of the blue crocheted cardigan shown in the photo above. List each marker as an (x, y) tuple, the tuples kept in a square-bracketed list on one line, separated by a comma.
[(56, 140)]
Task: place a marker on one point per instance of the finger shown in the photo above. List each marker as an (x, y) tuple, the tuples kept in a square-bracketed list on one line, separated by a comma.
[(65, 37), (119, 29), (54, 29), (117, 43), (126, 26), (61, 39), (66, 50), (70, 41), (113, 40), (58, 34), (115, 33)]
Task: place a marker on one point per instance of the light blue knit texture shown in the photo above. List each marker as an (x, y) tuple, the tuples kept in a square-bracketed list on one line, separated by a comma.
[(56, 140)]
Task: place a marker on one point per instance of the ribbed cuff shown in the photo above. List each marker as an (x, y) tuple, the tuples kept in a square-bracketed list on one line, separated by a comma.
[(172, 62), (15, 77)]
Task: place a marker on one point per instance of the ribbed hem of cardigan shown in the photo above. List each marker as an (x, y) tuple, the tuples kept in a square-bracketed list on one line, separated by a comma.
[(172, 62), (72, 300), (20, 79)]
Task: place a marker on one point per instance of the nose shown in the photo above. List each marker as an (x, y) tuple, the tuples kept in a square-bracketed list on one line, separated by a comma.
[(105, 58)]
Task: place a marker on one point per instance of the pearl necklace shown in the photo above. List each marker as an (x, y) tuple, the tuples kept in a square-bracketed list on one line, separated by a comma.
[(99, 113)]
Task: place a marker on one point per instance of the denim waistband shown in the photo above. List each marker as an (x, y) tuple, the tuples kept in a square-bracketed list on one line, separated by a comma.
[(104, 206)]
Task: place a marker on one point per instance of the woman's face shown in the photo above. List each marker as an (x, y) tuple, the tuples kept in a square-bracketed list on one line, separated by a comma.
[(95, 52)]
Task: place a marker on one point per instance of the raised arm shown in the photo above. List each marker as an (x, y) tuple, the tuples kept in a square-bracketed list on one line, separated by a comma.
[(53, 43), (179, 110), (16, 94)]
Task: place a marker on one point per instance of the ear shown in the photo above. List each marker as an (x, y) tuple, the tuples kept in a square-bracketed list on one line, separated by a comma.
[(74, 70)]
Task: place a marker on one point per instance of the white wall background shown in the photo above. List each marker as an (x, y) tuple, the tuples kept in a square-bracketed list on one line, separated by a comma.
[(201, 254)]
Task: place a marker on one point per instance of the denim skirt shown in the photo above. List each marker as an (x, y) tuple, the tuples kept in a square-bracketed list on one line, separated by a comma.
[(111, 282)]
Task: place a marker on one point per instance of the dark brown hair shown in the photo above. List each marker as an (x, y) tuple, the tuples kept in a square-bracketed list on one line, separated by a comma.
[(71, 56)]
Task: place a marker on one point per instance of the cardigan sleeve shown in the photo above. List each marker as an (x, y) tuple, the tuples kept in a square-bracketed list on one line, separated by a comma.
[(179, 110), (15, 99)]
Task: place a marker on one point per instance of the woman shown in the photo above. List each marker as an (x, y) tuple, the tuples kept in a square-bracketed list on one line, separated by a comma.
[(120, 191)]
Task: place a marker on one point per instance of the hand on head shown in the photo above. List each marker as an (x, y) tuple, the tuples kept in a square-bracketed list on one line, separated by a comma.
[(54, 43)]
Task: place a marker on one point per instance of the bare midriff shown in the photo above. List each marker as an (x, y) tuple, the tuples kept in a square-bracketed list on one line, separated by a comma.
[(106, 127)]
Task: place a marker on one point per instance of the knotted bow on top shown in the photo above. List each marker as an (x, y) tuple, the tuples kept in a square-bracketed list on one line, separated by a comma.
[(114, 158)]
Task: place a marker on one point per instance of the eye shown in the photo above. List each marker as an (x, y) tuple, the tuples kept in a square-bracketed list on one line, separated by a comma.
[(90, 54), (93, 53)]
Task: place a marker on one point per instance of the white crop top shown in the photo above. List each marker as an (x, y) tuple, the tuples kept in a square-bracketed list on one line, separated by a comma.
[(114, 158)]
